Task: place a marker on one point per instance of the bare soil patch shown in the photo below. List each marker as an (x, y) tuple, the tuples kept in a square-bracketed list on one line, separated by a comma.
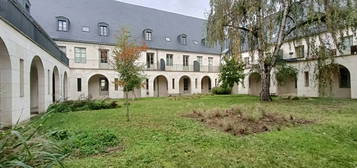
[(238, 121)]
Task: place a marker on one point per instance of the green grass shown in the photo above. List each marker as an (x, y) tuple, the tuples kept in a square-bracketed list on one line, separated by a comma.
[(158, 135)]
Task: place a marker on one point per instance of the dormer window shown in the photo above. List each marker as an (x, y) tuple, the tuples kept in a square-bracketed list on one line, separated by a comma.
[(103, 29), (62, 24), (183, 39), (148, 34)]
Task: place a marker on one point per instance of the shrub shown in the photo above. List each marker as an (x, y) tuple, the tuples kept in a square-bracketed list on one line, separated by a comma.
[(82, 105), (26, 147), (85, 143), (221, 91)]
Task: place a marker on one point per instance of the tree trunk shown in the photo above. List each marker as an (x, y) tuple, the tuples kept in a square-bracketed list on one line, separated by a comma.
[(265, 82), (127, 106)]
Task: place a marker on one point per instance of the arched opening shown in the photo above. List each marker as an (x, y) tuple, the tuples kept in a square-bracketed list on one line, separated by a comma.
[(339, 82), (288, 87), (37, 86), (98, 87), (161, 86), (185, 85), (5, 86), (65, 86), (55, 85), (254, 84), (206, 85)]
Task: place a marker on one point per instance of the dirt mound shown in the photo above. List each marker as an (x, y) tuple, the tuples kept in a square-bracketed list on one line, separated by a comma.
[(239, 122)]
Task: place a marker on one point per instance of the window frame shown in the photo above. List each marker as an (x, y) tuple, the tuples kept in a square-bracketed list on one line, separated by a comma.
[(148, 35), (102, 59), (103, 29), (63, 24), (169, 59), (300, 51), (79, 84), (82, 59), (186, 59)]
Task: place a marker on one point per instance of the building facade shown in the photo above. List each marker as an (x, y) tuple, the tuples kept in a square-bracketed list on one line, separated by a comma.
[(33, 71), (299, 55), (178, 61)]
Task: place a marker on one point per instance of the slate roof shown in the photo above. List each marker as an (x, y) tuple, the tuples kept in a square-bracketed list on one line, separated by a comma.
[(14, 14), (121, 15)]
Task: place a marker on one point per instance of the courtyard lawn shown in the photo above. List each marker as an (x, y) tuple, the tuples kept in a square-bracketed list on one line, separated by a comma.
[(158, 135)]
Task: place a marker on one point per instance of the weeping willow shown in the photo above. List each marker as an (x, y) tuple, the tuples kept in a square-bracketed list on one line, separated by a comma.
[(261, 27)]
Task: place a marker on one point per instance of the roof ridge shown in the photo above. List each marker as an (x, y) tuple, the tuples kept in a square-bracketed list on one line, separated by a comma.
[(119, 1)]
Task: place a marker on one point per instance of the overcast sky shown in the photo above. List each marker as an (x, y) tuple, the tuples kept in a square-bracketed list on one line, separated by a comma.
[(195, 8)]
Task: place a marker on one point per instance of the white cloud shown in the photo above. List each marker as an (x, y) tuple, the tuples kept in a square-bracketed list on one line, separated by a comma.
[(195, 8)]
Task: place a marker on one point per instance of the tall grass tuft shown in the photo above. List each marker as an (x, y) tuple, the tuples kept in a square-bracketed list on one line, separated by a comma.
[(24, 146)]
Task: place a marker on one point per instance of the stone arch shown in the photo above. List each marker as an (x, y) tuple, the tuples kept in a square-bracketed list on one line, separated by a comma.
[(206, 84), (65, 86), (185, 85), (340, 86), (161, 86), (37, 86), (56, 94), (288, 87), (5, 86), (254, 84), (98, 87)]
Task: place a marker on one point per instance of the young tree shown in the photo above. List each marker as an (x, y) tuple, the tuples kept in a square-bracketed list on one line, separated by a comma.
[(264, 25), (232, 72), (125, 56)]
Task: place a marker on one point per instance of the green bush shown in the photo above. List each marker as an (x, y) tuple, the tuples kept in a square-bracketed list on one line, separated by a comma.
[(85, 143), (26, 147), (82, 105), (221, 91)]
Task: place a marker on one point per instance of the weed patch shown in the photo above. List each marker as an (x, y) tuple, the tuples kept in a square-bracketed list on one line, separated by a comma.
[(85, 143), (238, 121)]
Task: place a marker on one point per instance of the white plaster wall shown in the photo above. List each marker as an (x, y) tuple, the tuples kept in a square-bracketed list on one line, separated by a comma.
[(21, 47)]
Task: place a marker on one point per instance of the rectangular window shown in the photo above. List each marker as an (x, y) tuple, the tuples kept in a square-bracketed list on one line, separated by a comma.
[(22, 84), (210, 64), (148, 35), (184, 40), (199, 59), (347, 42), (185, 84), (169, 60), (116, 84), (147, 86), (79, 84), (300, 51), (185, 60), (85, 29), (80, 55), (63, 49), (103, 84), (103, 30), (173, 83), (210, 61), (149, 59), (196, 83), (62, 25), (103, 55), (307, 79)]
